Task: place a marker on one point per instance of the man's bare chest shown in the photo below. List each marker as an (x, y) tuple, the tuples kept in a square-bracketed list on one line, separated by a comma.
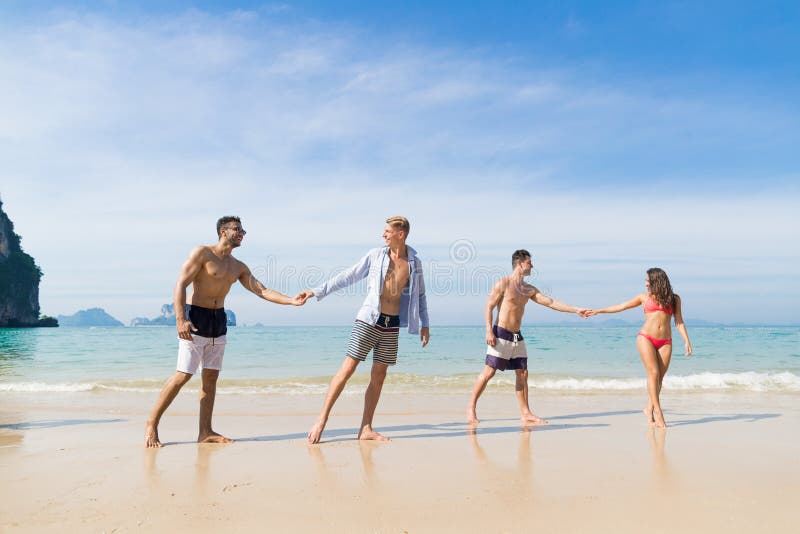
[(397, 272), (220, 271), (516, 295)]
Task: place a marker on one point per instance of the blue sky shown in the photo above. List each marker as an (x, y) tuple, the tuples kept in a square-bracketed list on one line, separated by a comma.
[(604, 137)]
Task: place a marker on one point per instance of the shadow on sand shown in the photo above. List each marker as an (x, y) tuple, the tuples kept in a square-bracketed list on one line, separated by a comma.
[(440, 430), (595, 414), (460, 429), (746, 417), (57, 423)]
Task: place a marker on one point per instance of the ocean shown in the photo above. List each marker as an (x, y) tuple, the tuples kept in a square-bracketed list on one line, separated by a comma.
[(301, 360)]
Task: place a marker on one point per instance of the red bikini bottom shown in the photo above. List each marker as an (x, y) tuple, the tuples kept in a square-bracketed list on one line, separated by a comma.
[(657, 343)]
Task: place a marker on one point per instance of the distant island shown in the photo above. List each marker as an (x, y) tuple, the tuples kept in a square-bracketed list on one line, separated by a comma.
[(99, 317), (90, 317), (167, 318), (19, 281)]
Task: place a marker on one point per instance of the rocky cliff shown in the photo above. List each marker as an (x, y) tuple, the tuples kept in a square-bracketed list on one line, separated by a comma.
[(19, 281)]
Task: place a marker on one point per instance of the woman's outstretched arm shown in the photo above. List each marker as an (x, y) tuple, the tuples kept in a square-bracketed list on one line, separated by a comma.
[(635, 301)]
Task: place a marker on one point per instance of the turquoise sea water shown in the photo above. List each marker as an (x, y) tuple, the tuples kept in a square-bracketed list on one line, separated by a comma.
[(299, 360)]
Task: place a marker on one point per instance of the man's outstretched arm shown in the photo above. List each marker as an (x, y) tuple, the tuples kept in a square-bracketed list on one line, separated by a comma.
[(255, 286), (343, 279), (539, 298)]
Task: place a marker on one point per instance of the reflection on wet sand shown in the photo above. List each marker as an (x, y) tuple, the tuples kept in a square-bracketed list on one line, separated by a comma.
[(366, 448), (10, 439), (151, 469), (202, 466), (9, 435), (326, 475), (521, 480), (657, 437)]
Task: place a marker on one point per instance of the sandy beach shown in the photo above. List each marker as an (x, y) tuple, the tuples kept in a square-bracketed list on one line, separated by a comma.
[(728, 463)]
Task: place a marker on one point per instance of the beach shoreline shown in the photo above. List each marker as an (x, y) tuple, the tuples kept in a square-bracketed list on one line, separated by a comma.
[(728, 463)]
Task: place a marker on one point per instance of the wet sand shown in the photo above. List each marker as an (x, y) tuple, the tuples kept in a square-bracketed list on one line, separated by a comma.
[(728, 463)]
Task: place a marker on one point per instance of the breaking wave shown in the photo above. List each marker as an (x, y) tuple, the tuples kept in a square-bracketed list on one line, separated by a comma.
[(784, 382)]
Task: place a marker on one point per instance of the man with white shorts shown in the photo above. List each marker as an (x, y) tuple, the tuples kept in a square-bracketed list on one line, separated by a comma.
[(505, 346), (206, 347), (211, 271)]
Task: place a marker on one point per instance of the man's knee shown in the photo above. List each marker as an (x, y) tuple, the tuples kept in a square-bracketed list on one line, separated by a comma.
[(348, 367), (378, 374), (180, 378), (489, 372), (210, 375)]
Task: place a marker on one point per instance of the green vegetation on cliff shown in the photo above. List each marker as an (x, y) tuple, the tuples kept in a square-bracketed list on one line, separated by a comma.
[(18, 273), (19, 280)]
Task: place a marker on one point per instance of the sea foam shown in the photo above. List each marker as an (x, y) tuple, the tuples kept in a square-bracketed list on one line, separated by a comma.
[(748, 381), (36, 387), (778, 382)]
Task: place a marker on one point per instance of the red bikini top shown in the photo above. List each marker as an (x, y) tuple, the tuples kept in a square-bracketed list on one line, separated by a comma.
[(650, 305)]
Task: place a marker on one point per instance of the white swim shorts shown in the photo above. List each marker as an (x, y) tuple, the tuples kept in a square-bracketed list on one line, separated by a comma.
[(205, 352)]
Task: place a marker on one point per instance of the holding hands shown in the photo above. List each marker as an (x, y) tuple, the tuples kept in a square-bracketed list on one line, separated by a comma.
[(302, 297)]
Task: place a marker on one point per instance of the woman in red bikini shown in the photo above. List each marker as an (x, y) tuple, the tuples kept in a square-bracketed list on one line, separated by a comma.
[(655, 338)]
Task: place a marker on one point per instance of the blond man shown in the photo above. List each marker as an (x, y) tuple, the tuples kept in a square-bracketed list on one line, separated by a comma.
[(395, 298)]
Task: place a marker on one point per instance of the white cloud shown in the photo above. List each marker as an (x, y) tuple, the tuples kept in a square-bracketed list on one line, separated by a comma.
[(126, 140)]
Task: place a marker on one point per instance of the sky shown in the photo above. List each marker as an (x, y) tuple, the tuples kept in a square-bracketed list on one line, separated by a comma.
[(604, 137)]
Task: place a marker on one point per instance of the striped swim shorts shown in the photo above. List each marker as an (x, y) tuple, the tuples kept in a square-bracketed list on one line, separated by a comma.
[(381, 338), (509, 350)]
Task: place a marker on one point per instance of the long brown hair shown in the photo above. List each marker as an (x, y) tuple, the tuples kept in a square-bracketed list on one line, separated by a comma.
[(660, 287)]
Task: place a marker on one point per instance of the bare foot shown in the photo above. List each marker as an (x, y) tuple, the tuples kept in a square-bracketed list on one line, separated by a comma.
[(151, 436), (315, 434), (658, 419), (472, 417), (213, 437), (535, 419), (648, 413), (368, 434)]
